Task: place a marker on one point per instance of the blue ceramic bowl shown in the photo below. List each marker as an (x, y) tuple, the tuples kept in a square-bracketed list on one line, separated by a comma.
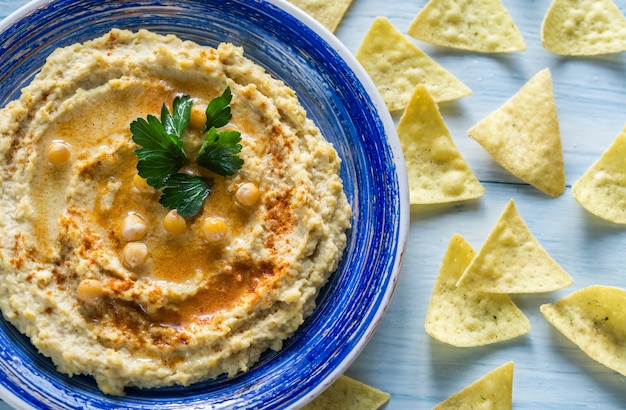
[(341, 100)]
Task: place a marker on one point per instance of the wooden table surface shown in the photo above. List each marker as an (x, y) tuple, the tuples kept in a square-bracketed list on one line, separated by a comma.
[(550, 372)]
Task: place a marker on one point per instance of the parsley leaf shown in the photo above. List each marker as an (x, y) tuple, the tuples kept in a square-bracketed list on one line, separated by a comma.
[(219, 152), (177, 123), (186, 193), (218, 111), (162, 153)]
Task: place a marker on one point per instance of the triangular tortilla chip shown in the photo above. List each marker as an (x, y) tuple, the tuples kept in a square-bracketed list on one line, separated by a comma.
[(512, 261), (492, 391), (463, 317), (484, 26), (349, 394), (397, 66), (602, 188), (584, 27), (523, 136), (328, 12), (436, 169), (594, 318)]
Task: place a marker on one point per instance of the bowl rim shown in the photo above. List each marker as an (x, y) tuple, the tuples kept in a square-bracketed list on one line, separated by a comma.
[(393, 143), (391, 133)]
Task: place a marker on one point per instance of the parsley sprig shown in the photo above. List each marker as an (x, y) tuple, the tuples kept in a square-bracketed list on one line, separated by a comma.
[(161, 155)]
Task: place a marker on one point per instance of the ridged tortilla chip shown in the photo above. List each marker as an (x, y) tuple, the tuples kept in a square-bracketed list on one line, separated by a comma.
[(594, 318), (349, 394), (484, 26), (397, 66), (436, 169), (464, 317), (523, 136), (584, 27), (492, 391), (602, 188), (328, 12), (512, 261)]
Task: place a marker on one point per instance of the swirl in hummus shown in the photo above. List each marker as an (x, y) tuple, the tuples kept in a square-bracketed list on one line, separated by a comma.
[(177, 308)]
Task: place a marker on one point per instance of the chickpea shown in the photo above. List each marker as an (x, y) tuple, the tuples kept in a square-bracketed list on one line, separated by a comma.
[(198, 116), (141, 184), (90, 290), (174, 224), (133, 228), (214, 229), (247, 194), (135, 254), (190, 170), (59, 153)]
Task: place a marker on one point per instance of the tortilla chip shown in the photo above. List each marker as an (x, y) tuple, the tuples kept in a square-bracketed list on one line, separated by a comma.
[(397, 66), (436, 169), (594, 319), (484, 26), (523, 136), (602, 188), (492, 391), (328, 12), (349, 394), (583, 27), (464, 317), (512, 261)]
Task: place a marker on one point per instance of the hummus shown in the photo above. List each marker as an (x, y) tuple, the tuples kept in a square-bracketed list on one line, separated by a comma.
[(184, 309)]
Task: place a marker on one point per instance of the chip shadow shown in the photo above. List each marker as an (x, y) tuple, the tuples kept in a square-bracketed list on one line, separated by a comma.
[(450, 364), (599, 376)]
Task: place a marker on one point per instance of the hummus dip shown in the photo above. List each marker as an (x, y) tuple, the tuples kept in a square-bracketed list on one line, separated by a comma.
[(171, 309)]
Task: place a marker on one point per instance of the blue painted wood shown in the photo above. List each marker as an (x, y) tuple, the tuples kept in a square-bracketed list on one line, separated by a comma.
[(550, 372)]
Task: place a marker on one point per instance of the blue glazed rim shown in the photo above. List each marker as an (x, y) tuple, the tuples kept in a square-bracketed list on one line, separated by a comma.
[(339, 96)]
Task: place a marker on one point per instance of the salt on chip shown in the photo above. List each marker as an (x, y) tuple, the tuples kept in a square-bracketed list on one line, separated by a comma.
[(594, 318), (349, 394), (602, 188), (397, 66), (436, 169), (464, 317), (583, 27), (328, 12), (512, 261), (483, 26), (523, 136), (492, 391)]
